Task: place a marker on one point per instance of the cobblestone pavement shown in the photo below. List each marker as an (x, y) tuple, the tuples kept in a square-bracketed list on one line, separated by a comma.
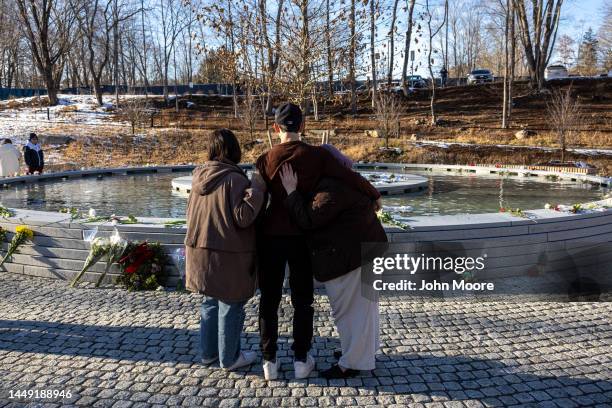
[(111, 348)]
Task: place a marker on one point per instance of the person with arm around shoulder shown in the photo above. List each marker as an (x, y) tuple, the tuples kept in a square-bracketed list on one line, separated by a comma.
[(338, 220), (220, 248), (283, 243)]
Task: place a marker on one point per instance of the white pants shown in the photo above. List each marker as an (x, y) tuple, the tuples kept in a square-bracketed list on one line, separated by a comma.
[(357, 321)]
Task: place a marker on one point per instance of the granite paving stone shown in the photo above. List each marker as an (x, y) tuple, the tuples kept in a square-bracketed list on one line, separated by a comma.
[(112, 348)]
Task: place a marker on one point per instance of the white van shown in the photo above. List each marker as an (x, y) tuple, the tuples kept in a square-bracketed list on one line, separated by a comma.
[(555, 72)]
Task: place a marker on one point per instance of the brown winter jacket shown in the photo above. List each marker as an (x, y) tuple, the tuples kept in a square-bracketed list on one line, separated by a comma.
[(337, 220), (311, 163), (220, 239)]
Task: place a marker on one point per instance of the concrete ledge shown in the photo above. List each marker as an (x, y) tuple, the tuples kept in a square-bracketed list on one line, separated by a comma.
[(410, 184), (58, 249)]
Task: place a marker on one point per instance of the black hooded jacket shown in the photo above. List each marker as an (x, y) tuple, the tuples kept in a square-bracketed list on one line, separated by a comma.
[(34, 158)]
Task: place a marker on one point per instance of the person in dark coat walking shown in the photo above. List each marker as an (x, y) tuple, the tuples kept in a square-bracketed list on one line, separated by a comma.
[(34, 155)]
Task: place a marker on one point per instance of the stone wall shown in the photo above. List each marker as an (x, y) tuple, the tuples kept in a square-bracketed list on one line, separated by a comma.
[(58, 249)]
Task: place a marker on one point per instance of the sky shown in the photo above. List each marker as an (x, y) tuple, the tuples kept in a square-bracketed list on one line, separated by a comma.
[(578, 15)]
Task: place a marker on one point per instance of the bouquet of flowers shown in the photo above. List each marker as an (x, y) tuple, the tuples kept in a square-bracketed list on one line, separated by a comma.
[(5, 212), (386, 217), (178, 257), (142, 266), (116, 248), (22, 235), (100, 248)]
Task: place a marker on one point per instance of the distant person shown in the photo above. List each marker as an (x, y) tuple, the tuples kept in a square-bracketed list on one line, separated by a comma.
[(220, 248), (34, 155), (9, 159), (443, 76)]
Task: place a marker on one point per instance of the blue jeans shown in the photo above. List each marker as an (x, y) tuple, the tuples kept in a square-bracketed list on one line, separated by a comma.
[(220, 329)]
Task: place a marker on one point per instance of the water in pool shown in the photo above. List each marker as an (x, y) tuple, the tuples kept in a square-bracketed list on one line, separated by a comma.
[(152, 196)]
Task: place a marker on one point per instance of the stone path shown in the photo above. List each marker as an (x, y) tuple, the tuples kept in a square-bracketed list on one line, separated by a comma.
[(111, 348)]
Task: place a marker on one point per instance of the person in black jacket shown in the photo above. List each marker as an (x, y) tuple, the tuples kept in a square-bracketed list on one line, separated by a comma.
[(337, 219), (34, 155)]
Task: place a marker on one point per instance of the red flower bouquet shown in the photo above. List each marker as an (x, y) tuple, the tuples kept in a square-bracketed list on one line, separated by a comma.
[(143, 266)]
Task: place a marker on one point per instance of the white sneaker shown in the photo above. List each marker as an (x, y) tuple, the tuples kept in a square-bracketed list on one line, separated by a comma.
[(302, 370), (270, 369), (246, 358)]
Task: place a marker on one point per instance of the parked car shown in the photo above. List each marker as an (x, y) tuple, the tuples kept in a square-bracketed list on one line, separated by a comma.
[(555, 72), (413, 82), (416, 81), (394, 86), (359, 89), (479, 76)]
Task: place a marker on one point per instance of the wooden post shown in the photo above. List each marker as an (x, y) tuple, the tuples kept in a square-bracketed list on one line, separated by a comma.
[(269, 138)]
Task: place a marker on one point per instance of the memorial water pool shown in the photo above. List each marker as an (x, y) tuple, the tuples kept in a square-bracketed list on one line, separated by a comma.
[(151, 195)]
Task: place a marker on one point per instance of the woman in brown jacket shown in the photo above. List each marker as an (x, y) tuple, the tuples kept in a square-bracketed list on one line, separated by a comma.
[(220, 248)]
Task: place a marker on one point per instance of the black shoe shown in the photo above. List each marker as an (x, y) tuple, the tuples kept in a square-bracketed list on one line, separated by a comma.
[(335, 372), (337, 354)]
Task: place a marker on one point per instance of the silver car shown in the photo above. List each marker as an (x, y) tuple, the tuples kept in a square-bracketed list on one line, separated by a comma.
[(555, 72), (479, 76)]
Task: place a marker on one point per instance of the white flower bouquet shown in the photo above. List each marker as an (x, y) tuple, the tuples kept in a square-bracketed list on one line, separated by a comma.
[(100, 247), (116, 248)]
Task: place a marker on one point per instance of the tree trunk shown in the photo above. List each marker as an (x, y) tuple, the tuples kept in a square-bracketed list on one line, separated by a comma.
[(51, 86), (330, 60), (409, 24), (538, 38), (373, 51), (392, 43), (352, 52), (97, 89), (116, 51), (506, 67)]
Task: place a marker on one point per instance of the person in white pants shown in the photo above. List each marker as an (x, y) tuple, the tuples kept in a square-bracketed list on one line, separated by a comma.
[(337, 220)]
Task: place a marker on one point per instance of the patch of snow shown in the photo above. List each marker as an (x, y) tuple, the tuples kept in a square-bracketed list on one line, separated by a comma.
[(446, 145), (17, 122)]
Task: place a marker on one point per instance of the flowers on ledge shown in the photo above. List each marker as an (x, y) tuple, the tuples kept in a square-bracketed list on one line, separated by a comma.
[(22, 235), (143, 266), (91, 217), (385, 217), (517, 212), (577, 208), (100, 247)]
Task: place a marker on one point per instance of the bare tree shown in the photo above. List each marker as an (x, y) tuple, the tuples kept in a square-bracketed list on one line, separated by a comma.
[(392, 28), (353, 54), (433, 31), (388, 110), (48, 26), (249, 113), (136, 111), (508, 65), (373, 50), (409, 25), (565, 116), (538, 36)]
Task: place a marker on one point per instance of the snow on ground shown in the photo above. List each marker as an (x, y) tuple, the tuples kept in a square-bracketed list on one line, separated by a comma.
[(18, 119), (446, 145)]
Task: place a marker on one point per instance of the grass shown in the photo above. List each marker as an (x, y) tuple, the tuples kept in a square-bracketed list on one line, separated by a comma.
[(470, 114)]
